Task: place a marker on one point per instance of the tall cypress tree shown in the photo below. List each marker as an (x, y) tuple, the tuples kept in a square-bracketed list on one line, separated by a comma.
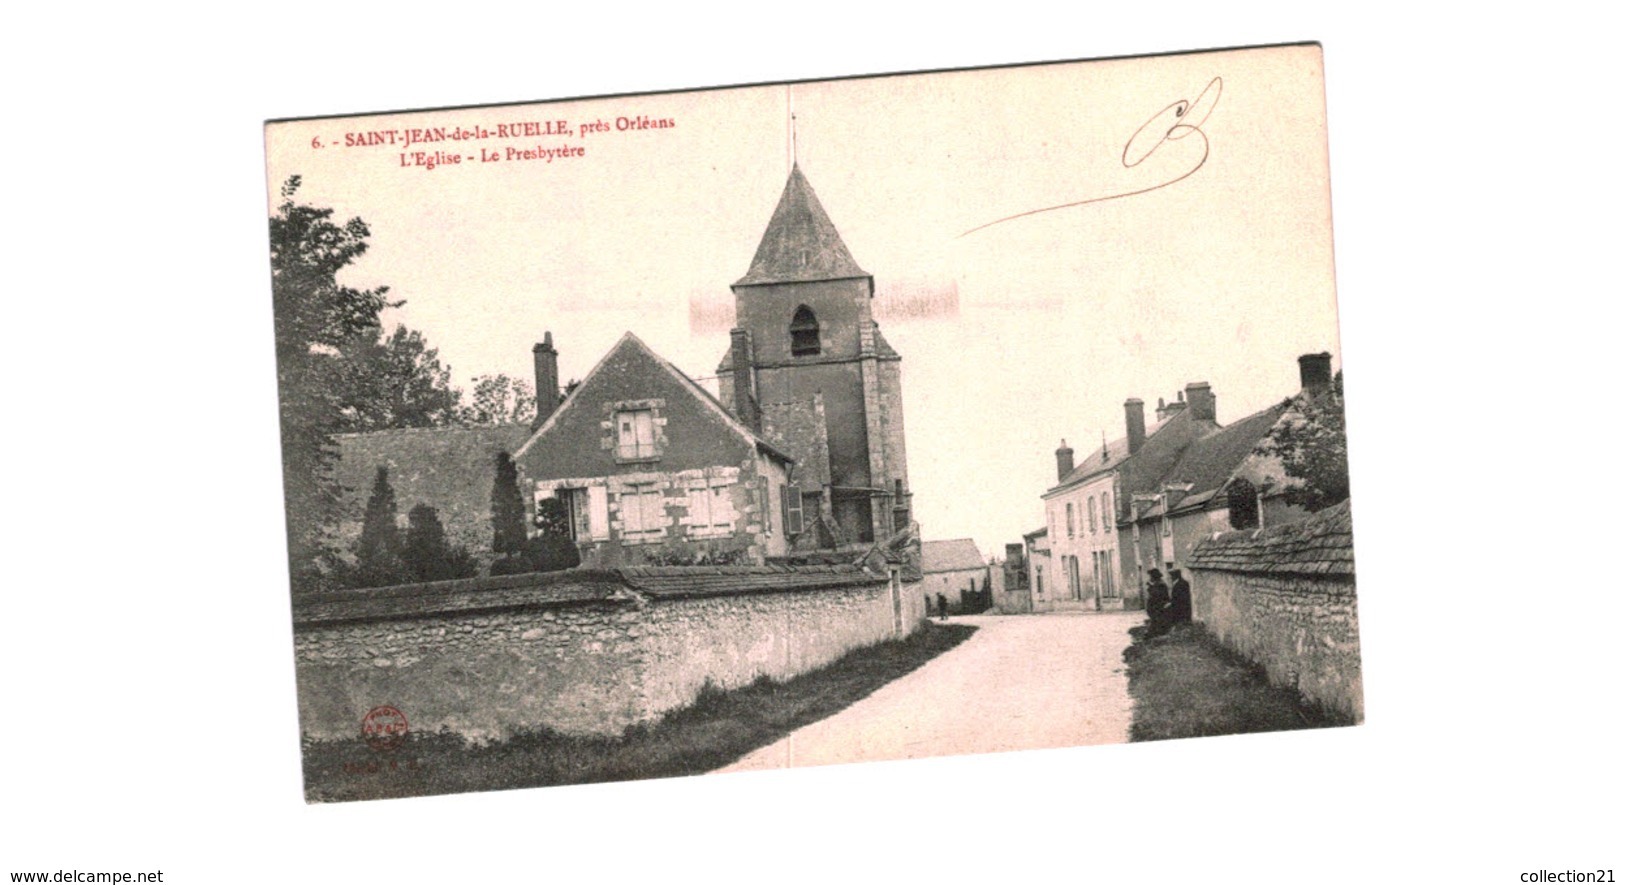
[(378, 553), (507, 508)]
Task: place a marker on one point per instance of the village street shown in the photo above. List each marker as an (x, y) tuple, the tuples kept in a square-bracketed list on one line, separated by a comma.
[(1020, 683)]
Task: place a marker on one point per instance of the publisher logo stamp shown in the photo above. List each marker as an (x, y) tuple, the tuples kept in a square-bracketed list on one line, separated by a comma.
[(384, 729)]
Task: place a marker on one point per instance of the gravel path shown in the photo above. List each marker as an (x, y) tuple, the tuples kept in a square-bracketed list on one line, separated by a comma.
[(1020, 683)]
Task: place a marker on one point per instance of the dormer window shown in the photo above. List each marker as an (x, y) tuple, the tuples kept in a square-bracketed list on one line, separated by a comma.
[(804, 333), (635, 435)]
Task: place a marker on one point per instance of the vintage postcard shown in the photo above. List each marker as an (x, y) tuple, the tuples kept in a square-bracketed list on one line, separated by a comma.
[(594, 442)]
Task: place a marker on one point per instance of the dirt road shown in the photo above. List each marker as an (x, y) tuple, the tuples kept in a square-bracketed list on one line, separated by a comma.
[(1021, 683)]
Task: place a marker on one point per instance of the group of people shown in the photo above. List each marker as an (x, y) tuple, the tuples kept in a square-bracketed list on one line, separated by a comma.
[(1166, 606)]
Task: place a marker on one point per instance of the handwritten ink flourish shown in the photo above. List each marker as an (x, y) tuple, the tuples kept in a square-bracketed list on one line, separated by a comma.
[(1172, 123)]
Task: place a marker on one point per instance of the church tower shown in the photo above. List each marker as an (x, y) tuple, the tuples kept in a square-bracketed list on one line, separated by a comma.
[(809, 368)]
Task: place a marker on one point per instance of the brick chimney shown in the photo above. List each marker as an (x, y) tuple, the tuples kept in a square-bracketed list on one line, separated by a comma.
[(744, 380), (1134, 417), (1315, 372), (547, 379), (1168, 410), (1200, 400), (1063, 461)]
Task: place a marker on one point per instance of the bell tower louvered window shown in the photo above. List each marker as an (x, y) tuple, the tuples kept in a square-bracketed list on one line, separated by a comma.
[(804, 333)]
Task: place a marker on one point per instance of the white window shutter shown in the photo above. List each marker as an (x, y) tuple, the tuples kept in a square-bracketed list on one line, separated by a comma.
[(792, 509), (598, 511), (699, 508), (722, 507)]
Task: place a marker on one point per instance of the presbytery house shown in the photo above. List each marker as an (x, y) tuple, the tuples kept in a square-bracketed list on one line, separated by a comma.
[(652, 469)]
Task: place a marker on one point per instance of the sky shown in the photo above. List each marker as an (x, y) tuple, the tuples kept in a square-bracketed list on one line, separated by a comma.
[(1045, 323)]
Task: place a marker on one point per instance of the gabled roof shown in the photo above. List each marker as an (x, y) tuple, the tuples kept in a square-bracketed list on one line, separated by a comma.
[(1164, 441), (1209, 462), (630, 341), (800, 243), (950, 556), (1101, 459)]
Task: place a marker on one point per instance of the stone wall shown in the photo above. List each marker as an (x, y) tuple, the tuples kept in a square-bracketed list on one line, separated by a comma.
[(1284, 597), (481, 676), (731, 641), (579, 652)]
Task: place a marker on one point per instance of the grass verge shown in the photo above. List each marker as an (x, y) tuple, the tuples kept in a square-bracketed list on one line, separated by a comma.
[(718, 728), (1185, 684)]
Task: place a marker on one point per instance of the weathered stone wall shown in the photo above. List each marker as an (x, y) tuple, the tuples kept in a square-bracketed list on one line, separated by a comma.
[(731, 641), (1284, 597), (1303, 630), (576, 652), (483, 676)]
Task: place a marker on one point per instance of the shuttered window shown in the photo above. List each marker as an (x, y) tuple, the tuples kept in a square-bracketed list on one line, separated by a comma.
[(710, 509), (792, 509), (635, 434), (643, 511)]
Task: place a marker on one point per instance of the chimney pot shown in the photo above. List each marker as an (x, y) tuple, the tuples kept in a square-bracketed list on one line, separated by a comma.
[(547, 379), (1200, 400), (1315, 372), (1134, 418), (1063, 461)]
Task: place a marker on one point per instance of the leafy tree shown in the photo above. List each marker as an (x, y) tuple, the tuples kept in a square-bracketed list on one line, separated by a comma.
[(1242, 499), (316, 319), (427, 553), (1312, 442), (397, 381), (507, 508), (378, 554), (499, 399)]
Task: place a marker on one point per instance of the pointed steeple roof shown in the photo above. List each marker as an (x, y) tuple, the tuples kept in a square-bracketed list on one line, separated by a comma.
[(801, 244)]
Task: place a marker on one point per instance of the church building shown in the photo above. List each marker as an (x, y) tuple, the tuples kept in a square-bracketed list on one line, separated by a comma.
[(808, 368)]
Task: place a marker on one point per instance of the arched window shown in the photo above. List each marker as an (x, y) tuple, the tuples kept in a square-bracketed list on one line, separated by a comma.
[(804, 333)]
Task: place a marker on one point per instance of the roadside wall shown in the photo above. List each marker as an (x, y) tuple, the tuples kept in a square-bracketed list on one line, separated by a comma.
[(1284, 597), (732, 640), (580, 652)]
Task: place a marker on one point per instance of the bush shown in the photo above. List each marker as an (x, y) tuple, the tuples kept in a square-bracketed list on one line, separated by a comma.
[(550, 550), (426, 552)]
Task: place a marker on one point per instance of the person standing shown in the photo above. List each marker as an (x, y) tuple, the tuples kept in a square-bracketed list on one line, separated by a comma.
[(942, 607), (1179, 599), (1156, 604)]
